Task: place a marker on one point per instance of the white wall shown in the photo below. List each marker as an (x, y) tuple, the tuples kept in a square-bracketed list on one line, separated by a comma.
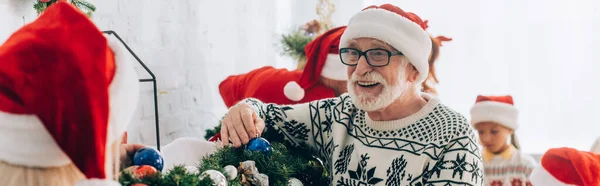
[(542, 52)]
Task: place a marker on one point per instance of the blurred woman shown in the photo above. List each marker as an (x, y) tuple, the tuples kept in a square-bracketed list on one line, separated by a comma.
[(67, 95)]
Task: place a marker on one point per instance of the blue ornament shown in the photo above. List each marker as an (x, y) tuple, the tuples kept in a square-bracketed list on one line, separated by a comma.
[(260, 145), (148, 156)]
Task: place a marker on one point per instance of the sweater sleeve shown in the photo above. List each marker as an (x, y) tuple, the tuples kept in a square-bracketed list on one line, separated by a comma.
[(459, 163), (306, 125)]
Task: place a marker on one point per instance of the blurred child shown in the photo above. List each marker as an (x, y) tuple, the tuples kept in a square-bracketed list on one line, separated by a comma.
[(496, 119)]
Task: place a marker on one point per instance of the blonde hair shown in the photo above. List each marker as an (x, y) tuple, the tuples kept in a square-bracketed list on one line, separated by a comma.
[(18, 175), (67, 175), (514, 141)]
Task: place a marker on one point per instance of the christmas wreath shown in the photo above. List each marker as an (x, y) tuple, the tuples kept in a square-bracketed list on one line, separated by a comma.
[(87, 7), (233, 167)]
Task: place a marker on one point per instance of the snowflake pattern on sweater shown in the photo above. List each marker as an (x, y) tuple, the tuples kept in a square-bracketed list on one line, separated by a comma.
[(435, 146)]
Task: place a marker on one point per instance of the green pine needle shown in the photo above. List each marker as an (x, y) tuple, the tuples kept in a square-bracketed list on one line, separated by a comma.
[(293, 44), (87, 7)]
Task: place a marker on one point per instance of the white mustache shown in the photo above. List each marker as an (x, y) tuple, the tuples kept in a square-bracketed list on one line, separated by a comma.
[(371, 76)]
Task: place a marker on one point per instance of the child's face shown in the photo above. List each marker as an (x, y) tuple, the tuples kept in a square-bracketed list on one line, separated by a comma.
[(493, 136)]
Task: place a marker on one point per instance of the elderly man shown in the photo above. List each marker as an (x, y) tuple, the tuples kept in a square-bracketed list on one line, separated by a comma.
[(384, 131)]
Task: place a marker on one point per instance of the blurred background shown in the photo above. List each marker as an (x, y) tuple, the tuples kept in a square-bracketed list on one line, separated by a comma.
[(543, 52)]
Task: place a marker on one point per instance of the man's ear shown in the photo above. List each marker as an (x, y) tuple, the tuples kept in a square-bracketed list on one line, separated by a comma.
[(413, 73)]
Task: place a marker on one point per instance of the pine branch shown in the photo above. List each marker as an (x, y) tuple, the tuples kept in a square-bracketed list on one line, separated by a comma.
[(283, 164)]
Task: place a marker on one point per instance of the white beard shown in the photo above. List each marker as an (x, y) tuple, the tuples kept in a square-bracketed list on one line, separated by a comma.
[(387, 96)]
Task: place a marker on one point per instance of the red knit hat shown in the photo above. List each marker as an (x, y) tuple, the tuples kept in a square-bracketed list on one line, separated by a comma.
[(497, 109), (66, 94), (567, 166), (322, 55)]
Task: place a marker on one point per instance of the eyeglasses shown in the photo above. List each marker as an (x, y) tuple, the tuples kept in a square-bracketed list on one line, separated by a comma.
[(376, 57)]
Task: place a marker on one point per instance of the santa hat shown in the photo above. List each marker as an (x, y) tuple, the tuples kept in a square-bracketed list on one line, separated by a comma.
[(497, 109), (322, 55), (405, 31), (567, 166), (66, 95)]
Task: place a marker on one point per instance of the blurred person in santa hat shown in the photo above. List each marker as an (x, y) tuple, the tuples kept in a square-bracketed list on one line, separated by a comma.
[(567, 167), (66, 96), (496, 118)]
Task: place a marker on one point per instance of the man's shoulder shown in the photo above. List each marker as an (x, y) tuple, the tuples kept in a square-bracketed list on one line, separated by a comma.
[(454, 126), (449, 117)]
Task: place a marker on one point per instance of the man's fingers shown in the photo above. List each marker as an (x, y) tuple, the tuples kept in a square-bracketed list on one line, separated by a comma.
[(232, 122), (225, 131), (260, 125), (247, 119)]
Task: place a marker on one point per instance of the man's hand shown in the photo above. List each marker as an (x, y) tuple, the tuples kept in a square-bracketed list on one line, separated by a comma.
[(127, 152), (240, 125)]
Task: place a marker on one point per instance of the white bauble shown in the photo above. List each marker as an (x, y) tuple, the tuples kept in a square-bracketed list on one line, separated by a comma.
[(231, 172), (217, 177), (294, 182)]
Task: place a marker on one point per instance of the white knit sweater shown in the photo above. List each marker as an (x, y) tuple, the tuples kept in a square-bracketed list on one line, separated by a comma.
[(509, 168), (435, 146)]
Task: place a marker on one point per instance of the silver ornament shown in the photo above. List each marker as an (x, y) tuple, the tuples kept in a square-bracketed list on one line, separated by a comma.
[(294, 182), (217, 177), (191, 169), (231, 172), (262, 179)]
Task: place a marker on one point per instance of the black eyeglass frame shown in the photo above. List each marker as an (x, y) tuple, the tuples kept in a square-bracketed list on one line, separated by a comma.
[(361, 54)]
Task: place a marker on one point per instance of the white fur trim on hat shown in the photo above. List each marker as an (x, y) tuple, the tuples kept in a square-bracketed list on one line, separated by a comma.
[(540, 176), (24, 139), (124, 90), (334, 68), (97, 182), (186, 151), (293, 91), (491, 111), (399, 32)]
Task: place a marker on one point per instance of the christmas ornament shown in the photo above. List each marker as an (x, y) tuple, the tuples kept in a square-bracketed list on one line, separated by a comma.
[(145, 170), (217, 177), (260, 145), (251, 176), (148, 156), (192, 169), (44, 1), (231, 172), (294, 182)]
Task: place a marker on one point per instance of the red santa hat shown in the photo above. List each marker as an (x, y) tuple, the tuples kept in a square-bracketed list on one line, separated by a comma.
[(322, 55), (405, 31), (567, 166), (497, 109), (66, 94)]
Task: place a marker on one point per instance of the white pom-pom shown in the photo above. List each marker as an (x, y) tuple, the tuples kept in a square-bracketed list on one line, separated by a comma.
[(231, 172), (293, 91)]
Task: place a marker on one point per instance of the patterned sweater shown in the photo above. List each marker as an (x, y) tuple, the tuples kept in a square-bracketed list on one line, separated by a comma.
[(435, 146), (509, 168)]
